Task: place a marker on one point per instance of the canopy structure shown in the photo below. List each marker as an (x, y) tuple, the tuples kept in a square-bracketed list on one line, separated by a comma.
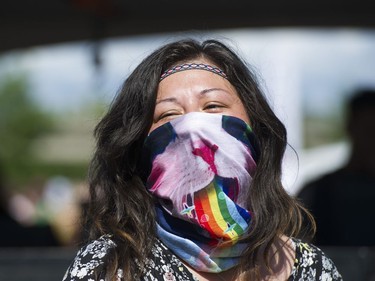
[(25, 23)]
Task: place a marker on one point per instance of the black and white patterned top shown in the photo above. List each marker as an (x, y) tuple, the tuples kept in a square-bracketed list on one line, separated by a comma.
[(310, 264)]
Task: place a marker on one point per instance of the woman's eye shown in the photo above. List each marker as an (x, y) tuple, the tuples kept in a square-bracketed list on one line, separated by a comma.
[(213, 107), (167, 115)]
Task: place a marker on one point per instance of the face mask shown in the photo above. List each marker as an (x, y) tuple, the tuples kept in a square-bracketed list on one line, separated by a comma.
[(199, 167)]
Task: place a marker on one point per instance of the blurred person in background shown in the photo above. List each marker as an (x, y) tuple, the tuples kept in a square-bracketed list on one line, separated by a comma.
[(343, 201), (15, 234)]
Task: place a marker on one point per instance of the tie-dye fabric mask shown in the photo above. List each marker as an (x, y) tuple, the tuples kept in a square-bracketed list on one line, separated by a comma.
[(200, 167)]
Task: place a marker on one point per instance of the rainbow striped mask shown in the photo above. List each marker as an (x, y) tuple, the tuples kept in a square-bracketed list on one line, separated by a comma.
[(199, 167)]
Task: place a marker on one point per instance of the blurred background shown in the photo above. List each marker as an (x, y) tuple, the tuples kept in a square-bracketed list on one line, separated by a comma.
[(62, 62)]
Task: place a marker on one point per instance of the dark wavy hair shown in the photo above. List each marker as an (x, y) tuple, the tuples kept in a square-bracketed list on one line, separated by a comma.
[(119, 203)]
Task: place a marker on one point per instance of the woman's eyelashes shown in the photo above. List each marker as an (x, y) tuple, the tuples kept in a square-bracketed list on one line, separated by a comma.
[(168, 115), (213, 107), (209, 108)]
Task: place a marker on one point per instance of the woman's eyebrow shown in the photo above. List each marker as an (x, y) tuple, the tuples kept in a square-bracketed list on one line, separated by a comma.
[(201, 94), (171, 99), (206, 91)]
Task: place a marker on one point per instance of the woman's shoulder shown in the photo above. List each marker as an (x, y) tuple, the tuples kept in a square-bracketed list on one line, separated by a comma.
[(90, 258), (311, 263)]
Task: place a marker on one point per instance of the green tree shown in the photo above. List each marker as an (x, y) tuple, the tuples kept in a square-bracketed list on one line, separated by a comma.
[(21, 122)]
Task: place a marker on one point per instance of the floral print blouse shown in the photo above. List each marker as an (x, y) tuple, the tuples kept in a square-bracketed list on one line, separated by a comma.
[(310, 264)]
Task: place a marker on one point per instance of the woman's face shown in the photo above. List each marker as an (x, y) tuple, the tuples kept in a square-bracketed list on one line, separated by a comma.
[(196, 91)]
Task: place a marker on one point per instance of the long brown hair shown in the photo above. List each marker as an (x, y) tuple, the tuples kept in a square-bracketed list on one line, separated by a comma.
[(119, 202)]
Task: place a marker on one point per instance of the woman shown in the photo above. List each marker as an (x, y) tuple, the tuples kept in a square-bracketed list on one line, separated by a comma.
[(185, 182)]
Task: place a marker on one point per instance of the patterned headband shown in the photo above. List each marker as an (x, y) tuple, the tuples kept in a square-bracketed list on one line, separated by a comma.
[(189, 66)]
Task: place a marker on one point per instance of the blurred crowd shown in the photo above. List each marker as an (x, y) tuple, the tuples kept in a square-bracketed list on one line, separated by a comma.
[(45, 213)]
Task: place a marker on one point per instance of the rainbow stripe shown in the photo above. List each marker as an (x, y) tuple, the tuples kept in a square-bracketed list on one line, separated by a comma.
[(217, 213)]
